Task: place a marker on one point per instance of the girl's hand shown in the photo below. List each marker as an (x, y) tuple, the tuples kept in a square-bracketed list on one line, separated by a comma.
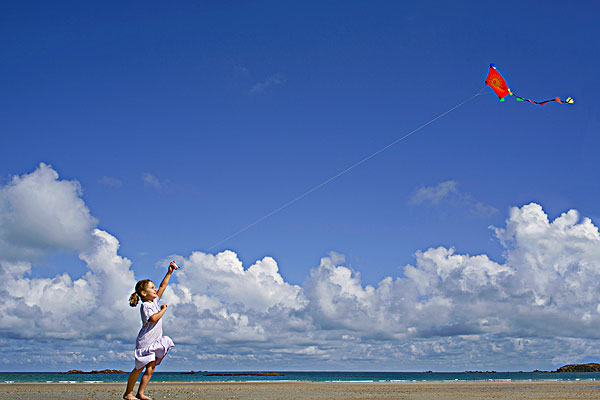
[(173, 266), (163, 307)]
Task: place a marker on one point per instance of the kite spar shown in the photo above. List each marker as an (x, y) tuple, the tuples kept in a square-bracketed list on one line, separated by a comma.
[(499, 86)]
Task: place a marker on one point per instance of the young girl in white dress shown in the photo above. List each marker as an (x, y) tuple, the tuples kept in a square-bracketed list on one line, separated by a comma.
[(151, 346)]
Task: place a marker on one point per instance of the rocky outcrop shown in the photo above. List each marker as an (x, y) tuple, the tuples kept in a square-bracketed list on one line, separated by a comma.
[(480, 372), (104, 371)]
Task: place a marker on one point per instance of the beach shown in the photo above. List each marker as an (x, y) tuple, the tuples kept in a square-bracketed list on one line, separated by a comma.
[(545, 390)]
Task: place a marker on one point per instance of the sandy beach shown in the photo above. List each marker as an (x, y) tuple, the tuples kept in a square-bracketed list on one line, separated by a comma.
[(303, 391)]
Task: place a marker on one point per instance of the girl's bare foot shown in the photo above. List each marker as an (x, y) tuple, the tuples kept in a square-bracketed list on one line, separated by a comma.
[(129, 396), (143, 397)]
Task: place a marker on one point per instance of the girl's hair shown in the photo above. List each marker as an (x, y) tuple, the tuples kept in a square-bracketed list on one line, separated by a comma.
[(134, 299)]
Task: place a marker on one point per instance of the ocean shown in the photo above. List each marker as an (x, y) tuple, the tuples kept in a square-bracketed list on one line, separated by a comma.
[(321, 376)]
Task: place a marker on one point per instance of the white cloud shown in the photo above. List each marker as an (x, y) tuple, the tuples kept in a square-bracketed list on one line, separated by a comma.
[(536, 307), (215, 297), (447, 308), (559, 261), (223, 277), (152, 180), (273, 80), (108, 181), (448, 192), (435, 194), (40, 214), (60, 307)]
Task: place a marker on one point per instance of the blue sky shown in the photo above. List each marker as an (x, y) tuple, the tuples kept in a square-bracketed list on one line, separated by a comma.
[(173, 126)]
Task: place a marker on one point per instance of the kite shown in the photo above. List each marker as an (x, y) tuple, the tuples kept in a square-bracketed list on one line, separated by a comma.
[(499, 86)]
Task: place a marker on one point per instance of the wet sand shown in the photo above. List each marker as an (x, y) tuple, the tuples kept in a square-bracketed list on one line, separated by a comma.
[(304, 391)]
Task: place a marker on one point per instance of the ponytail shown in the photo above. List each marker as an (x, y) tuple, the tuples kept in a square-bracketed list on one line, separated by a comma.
[(135, 297)]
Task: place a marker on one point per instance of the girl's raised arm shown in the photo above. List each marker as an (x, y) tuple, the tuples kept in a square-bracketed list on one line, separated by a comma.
[(165, 281)]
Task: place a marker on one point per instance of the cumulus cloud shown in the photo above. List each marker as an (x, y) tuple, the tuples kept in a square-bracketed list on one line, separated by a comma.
[(448, 192), (217, 300), (41, 214), (62, 308), (538, 305), (222, 276), (440, 307)]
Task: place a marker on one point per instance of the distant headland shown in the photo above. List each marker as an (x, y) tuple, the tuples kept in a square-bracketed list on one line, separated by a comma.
[(590, 367)]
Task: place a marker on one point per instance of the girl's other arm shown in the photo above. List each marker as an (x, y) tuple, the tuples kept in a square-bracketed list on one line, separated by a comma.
[(155, 317), (165, 281)]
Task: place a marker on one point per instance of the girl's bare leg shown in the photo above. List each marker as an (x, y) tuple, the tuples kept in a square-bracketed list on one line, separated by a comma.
[(131, 383), (144, 381)]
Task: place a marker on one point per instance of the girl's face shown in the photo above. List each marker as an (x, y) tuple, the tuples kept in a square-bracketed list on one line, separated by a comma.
[(149, 293)]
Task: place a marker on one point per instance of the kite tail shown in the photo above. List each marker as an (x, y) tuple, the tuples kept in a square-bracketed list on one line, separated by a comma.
[(568, 100)]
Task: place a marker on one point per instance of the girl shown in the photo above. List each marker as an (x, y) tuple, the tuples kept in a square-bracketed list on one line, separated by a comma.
[(151, 346)]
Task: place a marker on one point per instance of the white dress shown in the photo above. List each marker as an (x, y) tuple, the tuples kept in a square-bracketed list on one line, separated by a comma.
[(151, 345)]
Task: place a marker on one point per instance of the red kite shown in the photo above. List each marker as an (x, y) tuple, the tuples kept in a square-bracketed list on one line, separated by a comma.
[(499, 86)]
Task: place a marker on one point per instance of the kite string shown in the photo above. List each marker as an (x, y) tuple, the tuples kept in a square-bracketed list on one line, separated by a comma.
[(320, 185)]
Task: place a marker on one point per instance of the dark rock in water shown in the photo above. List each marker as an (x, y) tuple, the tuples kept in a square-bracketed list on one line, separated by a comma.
[(480, 372), (591, 367), (192, 372), (104, 371), (247, 374), (108, 371)]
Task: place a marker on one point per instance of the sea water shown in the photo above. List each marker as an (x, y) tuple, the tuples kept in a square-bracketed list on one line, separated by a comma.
[(320, 376)]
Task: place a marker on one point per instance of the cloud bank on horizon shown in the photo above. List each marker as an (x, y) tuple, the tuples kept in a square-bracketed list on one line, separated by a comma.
[(539, 306)]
